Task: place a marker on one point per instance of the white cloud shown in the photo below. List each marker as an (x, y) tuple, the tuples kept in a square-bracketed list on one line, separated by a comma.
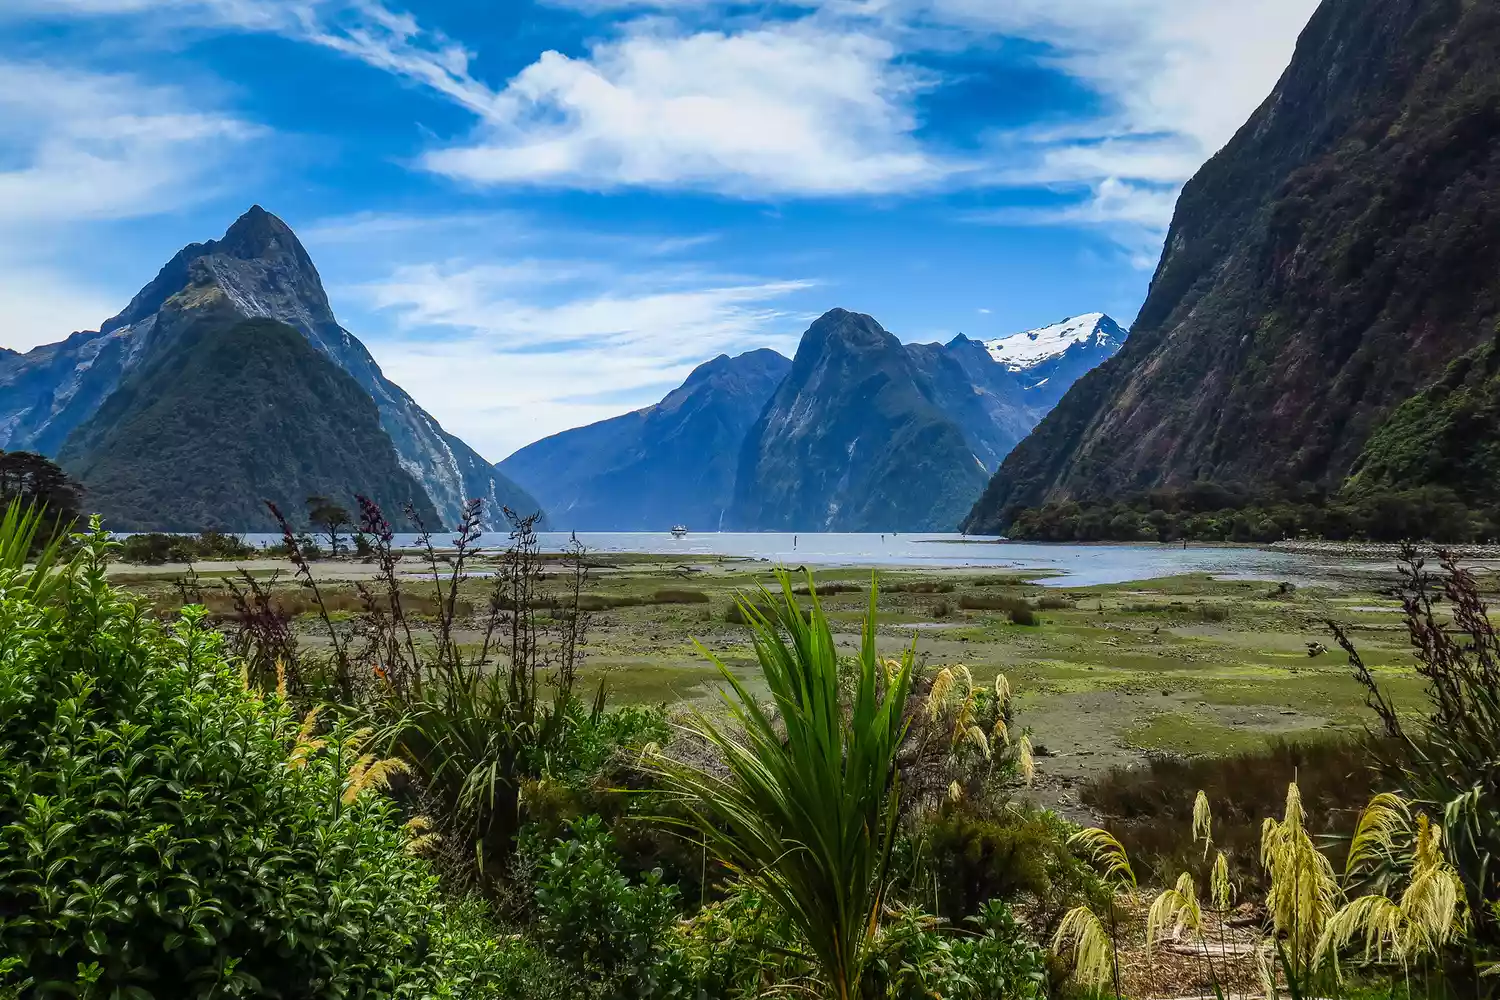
[(77, 147), (83, 145), (504, 355), (784, 109)]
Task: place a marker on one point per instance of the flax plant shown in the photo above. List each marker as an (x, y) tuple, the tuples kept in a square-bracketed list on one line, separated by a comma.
[(803, 800), (26, 570)]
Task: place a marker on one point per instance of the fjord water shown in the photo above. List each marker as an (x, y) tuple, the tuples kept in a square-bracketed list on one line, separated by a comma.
[(1073, 565)]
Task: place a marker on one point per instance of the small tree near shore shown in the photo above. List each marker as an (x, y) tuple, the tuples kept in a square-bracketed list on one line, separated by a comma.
[(329, 515)]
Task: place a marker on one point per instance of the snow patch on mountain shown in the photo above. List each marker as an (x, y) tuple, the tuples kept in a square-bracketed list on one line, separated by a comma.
[(1029, 349)]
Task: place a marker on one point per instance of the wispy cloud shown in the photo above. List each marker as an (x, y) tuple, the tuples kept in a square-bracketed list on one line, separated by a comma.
[(84, 145), (79, 147), (785, 109), (505, 354)]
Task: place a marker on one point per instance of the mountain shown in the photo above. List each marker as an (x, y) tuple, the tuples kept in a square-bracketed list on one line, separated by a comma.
[(237, 412), (663, 465), (258, 270), (854, 440), (1050, 359), (1326, 266), (1447, 435)]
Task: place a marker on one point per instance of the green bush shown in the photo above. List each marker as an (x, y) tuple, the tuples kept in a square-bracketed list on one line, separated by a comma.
[(1009, 854), (995, 959), (165, 832), (154, 548), (612, 931)]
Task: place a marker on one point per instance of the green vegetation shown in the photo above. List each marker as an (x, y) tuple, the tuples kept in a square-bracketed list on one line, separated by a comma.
[(423, 738), (155, 548), (164, 831), (1447, 435), (266, 392), (1213, 512)]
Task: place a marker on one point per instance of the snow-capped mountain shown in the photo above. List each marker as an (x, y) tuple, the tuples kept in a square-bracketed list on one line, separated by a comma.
[(1025, 351), (1048, 361)]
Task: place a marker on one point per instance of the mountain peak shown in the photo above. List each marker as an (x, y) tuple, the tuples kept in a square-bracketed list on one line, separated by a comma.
[(260, 264), (1032, 347), (258, 234)]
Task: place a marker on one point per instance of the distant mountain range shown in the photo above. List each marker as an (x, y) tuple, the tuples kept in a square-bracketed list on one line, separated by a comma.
[(858, 433), (669, 463), (1325, 313), (76, 399)]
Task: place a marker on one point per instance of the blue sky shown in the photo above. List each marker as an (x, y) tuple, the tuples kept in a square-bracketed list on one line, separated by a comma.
[(539, 213)]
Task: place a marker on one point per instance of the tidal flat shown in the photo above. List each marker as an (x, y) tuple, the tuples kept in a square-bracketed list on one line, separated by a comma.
[(1106, 676)]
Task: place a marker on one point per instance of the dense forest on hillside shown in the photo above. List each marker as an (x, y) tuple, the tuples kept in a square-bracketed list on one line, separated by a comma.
[(1213, 512), (240, 412)]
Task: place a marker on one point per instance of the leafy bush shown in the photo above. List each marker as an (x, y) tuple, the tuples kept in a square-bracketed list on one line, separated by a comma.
[(1055, 602), (608, 929), (1010, 855), (166, 832), (918, 960), (941, 609)]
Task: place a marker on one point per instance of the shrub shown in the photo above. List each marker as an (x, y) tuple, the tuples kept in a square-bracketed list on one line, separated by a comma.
[(165, 831), (1017, 609), (1022, 614), (1150, 808), (670, 596), (941, 609), (919, 587), (605, 927), (1011, 855), (994, 959), (1055, 602), (154, 548)]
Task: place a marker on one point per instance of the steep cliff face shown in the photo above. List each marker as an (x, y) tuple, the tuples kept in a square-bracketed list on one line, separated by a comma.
[(1330, 262), (238, 412), (667, 464), (854, 440), (260, 269)]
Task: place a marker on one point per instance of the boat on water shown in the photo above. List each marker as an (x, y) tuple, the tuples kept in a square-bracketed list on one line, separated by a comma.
[(678, 530)]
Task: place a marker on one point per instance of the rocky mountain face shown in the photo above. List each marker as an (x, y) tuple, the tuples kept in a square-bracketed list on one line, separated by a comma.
[(258, 270), (667, 464), (1329, 264), (283, 421), (855, 439)]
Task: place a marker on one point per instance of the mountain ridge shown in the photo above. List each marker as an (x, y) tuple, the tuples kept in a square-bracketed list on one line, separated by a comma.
[(263, 271), (1326, 265), (665, 464)]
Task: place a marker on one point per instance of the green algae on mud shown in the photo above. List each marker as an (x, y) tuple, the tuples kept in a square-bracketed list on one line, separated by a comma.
[(1109, 674)]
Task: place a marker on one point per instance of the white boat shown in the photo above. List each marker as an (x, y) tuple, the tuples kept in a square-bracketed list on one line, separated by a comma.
[(678, 530)]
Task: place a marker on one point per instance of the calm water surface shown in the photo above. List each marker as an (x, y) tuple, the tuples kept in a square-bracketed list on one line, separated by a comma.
[(1076, 565)]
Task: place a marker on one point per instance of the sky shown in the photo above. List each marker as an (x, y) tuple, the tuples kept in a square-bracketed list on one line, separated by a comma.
[(541, 213)]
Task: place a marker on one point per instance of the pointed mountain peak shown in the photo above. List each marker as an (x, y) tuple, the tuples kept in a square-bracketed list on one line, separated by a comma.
[(259, 263), (257, 234)]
